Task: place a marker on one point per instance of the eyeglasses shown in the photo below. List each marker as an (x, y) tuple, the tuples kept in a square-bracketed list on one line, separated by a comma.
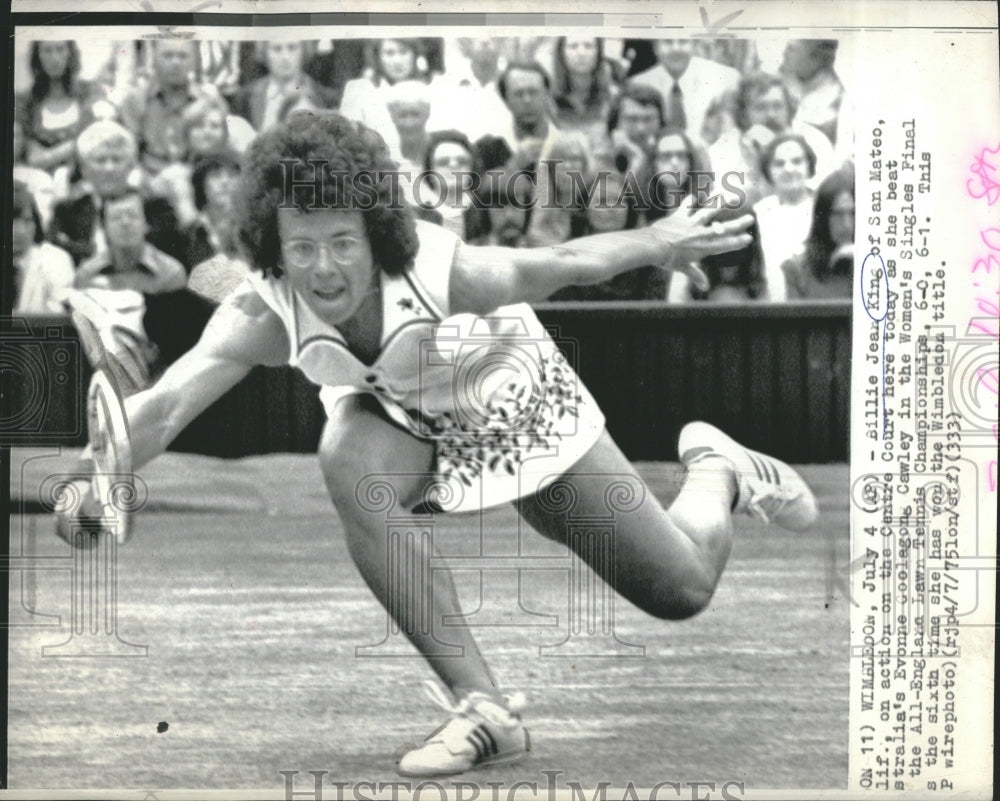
[(668, 155), (304, 253)]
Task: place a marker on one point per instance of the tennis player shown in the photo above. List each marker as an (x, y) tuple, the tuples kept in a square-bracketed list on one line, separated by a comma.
[(437, 377)]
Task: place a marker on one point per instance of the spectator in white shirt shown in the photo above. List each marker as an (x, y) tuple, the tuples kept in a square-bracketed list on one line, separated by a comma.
[(43, 273), (788, 162), (808, 70), (467, 98), (694, 89), (763, 110), (365, 98)]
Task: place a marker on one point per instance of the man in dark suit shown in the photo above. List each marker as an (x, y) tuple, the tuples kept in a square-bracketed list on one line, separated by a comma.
[(268, 99)]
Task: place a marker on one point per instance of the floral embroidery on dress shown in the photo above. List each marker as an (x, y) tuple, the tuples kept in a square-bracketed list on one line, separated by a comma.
[(409, 304), (518, 421)]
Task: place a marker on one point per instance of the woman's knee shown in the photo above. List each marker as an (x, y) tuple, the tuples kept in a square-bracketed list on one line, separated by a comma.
[(678, 602)]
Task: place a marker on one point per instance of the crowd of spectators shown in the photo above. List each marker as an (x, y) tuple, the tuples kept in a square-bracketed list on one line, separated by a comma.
[(127, 157)]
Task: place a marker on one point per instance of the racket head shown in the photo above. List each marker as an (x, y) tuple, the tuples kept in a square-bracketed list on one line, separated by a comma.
[(111, 443)]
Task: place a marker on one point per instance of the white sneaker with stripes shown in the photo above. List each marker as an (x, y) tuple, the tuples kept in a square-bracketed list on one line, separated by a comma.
[(768, 488), (480, 733)]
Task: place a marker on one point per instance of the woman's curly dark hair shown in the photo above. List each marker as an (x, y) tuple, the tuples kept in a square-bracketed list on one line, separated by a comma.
[(316, 151)]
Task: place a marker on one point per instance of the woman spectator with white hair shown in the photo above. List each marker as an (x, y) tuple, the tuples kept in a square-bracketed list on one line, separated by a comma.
[(107, 156), (409, 106)]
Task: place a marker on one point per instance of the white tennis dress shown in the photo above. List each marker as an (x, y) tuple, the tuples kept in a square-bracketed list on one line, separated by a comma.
[(504, 408)]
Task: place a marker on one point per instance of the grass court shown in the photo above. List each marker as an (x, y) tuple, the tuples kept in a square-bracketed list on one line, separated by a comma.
[(238, 582)]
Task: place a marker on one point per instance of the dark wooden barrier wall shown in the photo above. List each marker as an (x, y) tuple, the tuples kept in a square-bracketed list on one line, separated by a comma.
[(775, 376)]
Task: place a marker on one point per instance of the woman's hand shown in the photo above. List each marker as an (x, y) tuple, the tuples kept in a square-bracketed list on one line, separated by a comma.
[(690, 236)]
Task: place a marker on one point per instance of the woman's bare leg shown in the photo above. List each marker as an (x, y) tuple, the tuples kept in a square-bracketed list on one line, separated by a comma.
[(666, 561), (359, 442)]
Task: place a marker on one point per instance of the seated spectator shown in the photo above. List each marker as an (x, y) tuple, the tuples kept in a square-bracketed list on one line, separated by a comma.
[(261, 102), (116, 281), (524, 88), (43, 273), (40, 184), (584, 86), (409, 106), (564, 192), (107, 158), (214, 183), (666, 187), (129, 262), (787, 163), (682, 181), (763, 110), (58, 106), (392, 61), (633, 122), (734, 277), (506, 200), (826, 267), (693, 88), (450, 155), (635, 133), (155, 113), (681, 173), (206, 133)]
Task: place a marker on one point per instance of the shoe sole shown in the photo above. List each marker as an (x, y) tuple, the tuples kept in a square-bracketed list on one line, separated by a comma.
[(508, 759), (699, 435), (493, 761)]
